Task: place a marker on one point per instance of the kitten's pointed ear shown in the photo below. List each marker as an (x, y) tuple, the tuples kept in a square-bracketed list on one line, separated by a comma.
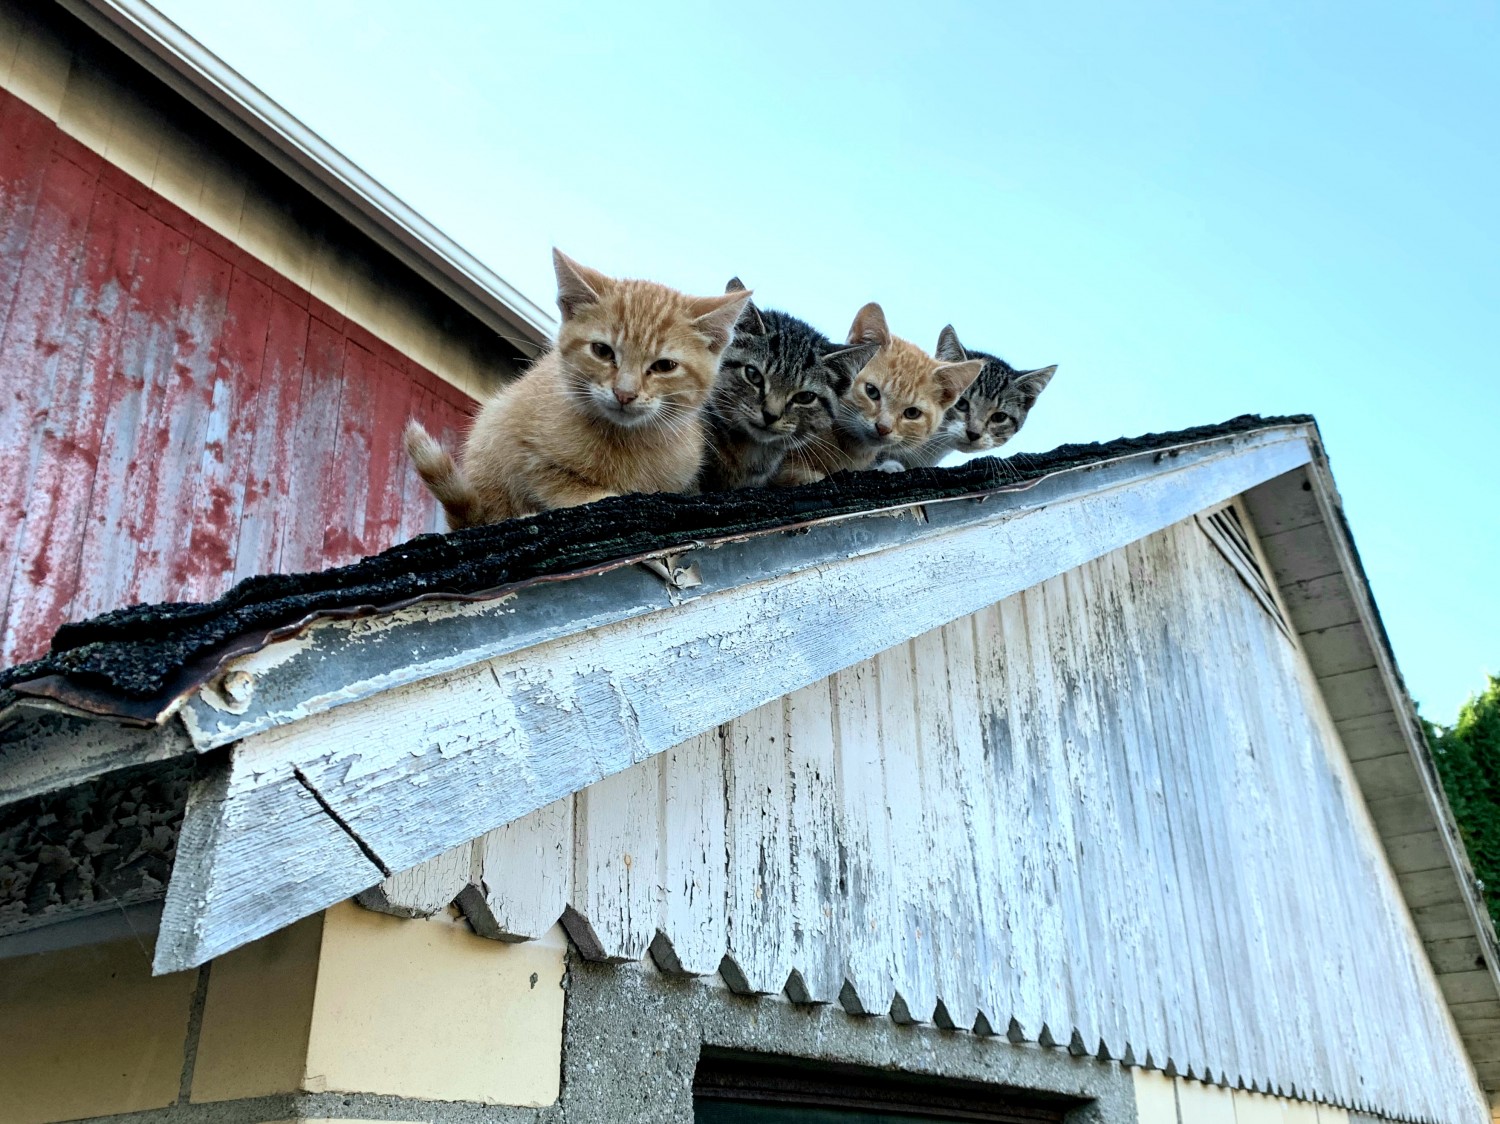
[(1032, 383), (715, 317), (949, 350), (846, 362), (869, 326), (750, 321), (577, 285), (955, 378)]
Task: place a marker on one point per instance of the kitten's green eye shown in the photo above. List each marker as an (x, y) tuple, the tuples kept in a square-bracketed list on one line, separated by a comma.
[(753, 376), (663, 367), (999, 418), (602, 351), (804, 398), (962, 405), (911, 412), (873, 391)]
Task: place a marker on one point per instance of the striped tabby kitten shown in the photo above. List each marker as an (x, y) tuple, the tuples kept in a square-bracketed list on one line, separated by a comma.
[(896, 402), (616, 406), (779, 386), (989, 413)]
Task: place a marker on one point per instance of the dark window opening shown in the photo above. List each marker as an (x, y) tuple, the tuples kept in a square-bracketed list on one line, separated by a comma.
[(739, 1088)]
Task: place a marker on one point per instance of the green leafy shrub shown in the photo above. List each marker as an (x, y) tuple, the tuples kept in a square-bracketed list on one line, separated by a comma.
[(1468, 760)]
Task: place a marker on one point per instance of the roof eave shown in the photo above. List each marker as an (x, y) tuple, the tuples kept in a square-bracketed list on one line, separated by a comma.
[(1306, 537), (330, 767), (196, 73)]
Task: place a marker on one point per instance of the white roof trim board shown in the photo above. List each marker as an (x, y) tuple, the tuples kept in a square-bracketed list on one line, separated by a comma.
[(348, 786), (248, 113)]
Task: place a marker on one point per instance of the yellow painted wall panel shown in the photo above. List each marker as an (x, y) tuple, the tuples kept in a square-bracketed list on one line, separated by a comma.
[(257, 1016), (428, 1009), (39, 72), (1204, 1104), (90, 1032), (1155, 1097)]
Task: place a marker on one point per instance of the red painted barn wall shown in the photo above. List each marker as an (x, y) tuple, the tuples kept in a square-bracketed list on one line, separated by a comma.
[(175, 416)]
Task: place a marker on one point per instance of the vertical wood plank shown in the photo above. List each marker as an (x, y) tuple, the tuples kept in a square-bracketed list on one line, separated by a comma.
[(909, 907), (77, 341), (1008, 690), (107, 561), (869, 968), (994, 886), (947, 826), (310, 491), (616, 902), (426, 888), (695, 911), (162, 525), (818, 906), (266, 514), (217, 502), (523, 875), (759, 957)]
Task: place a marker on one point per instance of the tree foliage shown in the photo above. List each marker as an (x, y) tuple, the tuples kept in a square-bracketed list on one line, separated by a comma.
[(1468, 760)]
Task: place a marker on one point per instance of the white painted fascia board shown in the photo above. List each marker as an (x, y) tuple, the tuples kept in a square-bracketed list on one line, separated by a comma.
[(335, 663), (195, 72), (310, 812)]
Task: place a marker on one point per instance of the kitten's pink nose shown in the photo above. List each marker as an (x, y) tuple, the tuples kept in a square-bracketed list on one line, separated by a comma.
[(625, 397), (883, 429)]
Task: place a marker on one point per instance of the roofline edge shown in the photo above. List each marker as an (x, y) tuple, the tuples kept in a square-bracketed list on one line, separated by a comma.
[(171, 54)]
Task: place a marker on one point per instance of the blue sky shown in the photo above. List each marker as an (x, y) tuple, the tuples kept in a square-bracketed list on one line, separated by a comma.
[(1195, 210)]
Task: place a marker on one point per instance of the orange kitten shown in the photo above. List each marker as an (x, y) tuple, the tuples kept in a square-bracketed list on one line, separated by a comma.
[(616, 406), (896, 402)]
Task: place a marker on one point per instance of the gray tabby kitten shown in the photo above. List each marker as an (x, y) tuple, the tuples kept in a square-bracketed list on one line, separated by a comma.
[(779, 384), (988, 414)]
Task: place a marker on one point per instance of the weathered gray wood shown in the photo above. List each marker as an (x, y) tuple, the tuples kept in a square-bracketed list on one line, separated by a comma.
[(695, 928), (812, 772), (973, 798), (616, 871), (870, 954), (950, 903), (464, 752), (234, 801), (908, 908), (425, 888), (1336, 650), (44, 752), (759, 957), (1302, 555), (502, 906), (1133, 760), (1323, 602)]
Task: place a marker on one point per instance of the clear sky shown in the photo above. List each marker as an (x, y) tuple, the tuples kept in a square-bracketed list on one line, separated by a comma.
[(1195, 210)]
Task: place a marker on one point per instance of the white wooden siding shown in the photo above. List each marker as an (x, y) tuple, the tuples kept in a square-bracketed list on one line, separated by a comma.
[(1109, 813)]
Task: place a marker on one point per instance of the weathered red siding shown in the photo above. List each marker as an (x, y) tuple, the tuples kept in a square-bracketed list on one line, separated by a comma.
[(174, 415)]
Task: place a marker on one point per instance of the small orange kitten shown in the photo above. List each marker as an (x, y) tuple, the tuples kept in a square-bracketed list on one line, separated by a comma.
[(897, 401), (615, 407)]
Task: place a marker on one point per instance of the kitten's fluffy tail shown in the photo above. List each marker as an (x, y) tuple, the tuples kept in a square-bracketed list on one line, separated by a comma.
[(442, 476)]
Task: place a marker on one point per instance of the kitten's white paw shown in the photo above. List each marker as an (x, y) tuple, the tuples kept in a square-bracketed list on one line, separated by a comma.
[(890, 466)]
